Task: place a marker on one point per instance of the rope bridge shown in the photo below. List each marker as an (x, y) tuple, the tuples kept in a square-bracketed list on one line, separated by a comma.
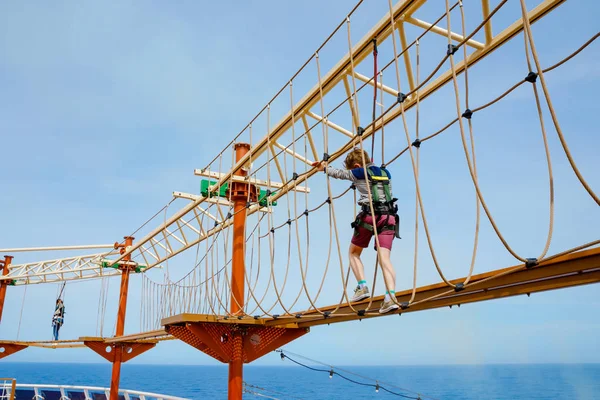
[(239, 308), (285, 243)]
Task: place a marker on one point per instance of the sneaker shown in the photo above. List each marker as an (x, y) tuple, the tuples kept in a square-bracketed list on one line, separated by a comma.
[(388, 306), (360, 293)]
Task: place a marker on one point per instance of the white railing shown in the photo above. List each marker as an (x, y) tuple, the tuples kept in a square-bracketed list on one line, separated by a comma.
[(88, 391)]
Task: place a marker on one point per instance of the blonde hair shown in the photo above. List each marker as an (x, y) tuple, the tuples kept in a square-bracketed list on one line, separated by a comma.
[(356, 157)]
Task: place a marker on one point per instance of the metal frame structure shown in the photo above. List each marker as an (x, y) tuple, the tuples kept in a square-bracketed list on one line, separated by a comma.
[(59, 270), (242, 338), (335, 78), (188, 226)]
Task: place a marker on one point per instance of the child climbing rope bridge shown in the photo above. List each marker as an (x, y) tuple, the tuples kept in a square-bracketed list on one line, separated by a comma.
[(385, 221)]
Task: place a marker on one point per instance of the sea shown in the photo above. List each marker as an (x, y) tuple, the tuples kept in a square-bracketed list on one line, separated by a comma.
[(465, 382)]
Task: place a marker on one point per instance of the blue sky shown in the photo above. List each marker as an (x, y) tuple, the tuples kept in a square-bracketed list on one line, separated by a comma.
[(106, 108)]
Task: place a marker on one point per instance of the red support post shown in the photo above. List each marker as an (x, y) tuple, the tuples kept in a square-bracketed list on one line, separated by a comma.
[(4, 283), (240, 193), (118, 348)]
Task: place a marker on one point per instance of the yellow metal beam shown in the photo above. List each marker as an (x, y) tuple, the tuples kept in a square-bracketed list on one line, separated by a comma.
[(368, 80), (330, 124), (406, 55), (443, 32), (485, 8), (499, 40)]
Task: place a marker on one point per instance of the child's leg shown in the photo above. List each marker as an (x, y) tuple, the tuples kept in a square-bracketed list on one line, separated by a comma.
[(389, 275), (356, 263)]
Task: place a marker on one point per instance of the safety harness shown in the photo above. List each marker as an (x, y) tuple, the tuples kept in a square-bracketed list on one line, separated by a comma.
[(387, 207), (59, 315)]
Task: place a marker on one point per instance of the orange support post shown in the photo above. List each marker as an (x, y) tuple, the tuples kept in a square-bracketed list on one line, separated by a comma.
[(4, 283), (118, 348), (240, 193), (242, 339)]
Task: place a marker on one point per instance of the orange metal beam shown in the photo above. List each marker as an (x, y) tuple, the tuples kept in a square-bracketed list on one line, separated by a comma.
[(574, 269), (6, 349), (240, 193), (118, 349), (217, 339), (570, 270), (124, 350), (4, 283)]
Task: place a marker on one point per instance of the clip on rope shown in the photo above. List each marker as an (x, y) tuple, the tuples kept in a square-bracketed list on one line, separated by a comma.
[(531, 77), (531, 262), (467, 114), (451, 49)]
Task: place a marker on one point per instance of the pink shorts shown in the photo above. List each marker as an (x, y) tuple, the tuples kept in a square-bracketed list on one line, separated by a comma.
[(362, 236)]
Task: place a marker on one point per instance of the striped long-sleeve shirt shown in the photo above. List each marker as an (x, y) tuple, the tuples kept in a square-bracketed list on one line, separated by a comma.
[(357, 175)]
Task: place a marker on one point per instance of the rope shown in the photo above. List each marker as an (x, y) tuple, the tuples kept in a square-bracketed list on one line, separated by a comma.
[(366, 174), (412, 156), (303, 271), (496, 99), (21, 313), (548, 159), (417, 120), (472, 140), (529, 35)]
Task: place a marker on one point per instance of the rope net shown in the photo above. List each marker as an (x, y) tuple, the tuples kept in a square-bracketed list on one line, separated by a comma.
[(412, 83)]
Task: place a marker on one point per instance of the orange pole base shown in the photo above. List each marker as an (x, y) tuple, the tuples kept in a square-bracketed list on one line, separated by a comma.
[(240, 193), (236, 371), (125, 269)]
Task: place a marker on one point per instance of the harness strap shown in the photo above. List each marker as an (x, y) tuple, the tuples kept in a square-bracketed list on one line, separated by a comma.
[(359, 223)]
